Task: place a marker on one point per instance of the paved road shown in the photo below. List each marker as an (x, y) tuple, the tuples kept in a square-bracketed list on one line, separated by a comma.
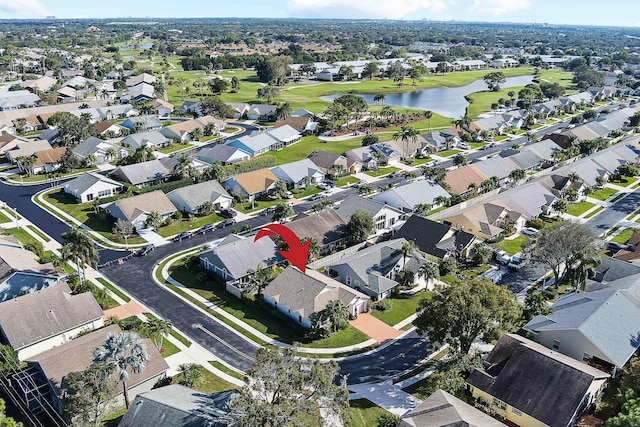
[(618, 210)]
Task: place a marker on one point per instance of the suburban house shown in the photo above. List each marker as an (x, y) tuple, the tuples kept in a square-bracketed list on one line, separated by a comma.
[(325, 226), (441, 140), (407, 196), (52, 367), (38, 321), (90, 186), (181, 131), (285, 136), (142, 174), (141, 92), (107, 129), (136, 209), (597, 328), (147, 123), (530, 385), (153, 139), (260, 142), (504, 63), (417, 147), (225, 154), (442, 409), (436, 239), (177, 405), (21, 273), (140, 78), (100, 150), (298, 295), (303, 124), (485, 220), (27, 148), (46, 161), (42, 84), (239, 109), (9, 141), (190, 199), (163, 108), (50, 135), (496, 167), (236, 257), (113, 112), (384, 216), (329, 163), (459, 179), (372, 270), (359, 159), (191, 107), (251, 184), (13, 100), (264, 112), (299, 174)]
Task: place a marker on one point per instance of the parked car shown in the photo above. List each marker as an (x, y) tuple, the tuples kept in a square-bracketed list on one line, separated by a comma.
[(268, 211), (318, 196), (227, 222), (183, 235), (323, 186), (463, 146), (359, 184), (144, 250), (394, 174), (503, 258), (516, 262), (288, 195), (228, 213), (615, 246), (530, 231), (205, 228), (331, 184)]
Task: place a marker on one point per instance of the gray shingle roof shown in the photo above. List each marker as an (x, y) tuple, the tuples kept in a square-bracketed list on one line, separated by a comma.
[(88, 146), (147, 121), (34, 317), (412, 194), (238, 256), (296, 171), (354, 203), (178, 406), (152, 137), (284, 133), (444, 410), (219, 153), (140, 173), (533, 379), (18, 98), (142, 90), (197, 194), (82, 183)]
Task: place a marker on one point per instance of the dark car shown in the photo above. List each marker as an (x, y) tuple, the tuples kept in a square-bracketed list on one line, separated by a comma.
[(205, 228), (183, 235), (227, 222), (145, 250), (228, 213), (331, 184), (318, 196), (615, 246), (268, 211)]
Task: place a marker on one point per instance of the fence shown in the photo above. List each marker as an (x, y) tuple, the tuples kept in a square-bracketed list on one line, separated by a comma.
[(331, 259)]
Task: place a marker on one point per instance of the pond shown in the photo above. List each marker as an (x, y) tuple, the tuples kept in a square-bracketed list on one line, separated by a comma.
[(446, 101)]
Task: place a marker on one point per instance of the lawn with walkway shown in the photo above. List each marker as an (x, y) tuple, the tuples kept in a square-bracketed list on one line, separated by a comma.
[(577, 209), (3, 218), (402, 306), (623, 236), (603, 193), (624, 182), (381, 171), (513, 246)]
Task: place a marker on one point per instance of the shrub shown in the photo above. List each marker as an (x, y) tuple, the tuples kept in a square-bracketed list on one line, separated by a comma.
[(535, 223), (130, 323), (383, 305), (177, 215), (448, 266), (550, 293)]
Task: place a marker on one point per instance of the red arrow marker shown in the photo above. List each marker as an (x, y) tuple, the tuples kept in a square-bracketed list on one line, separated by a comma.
[(298, 253)]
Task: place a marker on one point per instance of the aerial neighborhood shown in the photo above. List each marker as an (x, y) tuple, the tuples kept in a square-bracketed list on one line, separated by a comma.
[(322, 222)]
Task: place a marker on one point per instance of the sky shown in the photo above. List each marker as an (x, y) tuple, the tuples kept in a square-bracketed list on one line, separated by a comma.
[(581, 12)]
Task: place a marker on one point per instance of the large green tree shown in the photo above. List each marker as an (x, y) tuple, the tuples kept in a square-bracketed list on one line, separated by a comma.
[(7, 421), (79, 247), (464, 311), (494, 80), (87, 392), (360, 225), (285, 391)]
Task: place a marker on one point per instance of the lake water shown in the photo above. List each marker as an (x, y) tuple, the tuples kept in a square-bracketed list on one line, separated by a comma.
[(446, 101)]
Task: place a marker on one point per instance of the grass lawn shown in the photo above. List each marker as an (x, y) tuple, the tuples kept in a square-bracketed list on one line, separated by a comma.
[(480, 102), (45, 177), (257, 205), (402, 306), (364, 413), (209, 383), (342, 182), (222, 367), (168, 348), (382, 171), (310, 144), (448, 153), (112, 419), (84, 213), (24, 237), (603, 193), (176, 146), (577, 209), (513, 246), (173, 332), (625, 182), (499, 138), (418, 162), (38, 233), (184, 224), (475, 145), (343, 338), (594, 212), (113, 289), (4, 218), (299, 193), (623, 236)]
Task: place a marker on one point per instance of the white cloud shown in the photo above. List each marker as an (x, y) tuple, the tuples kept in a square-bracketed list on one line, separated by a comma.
[(498, 7), (24, 8), (392, 9)]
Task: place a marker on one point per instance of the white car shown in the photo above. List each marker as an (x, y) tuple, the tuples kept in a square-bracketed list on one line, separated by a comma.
[(530, 231), (288, 195), (323, 186)]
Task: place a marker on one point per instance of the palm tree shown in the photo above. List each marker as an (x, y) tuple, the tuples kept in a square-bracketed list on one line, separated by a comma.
[(338, 314), (462, 123), (280, 188), (190, 372), (123, 352), (574, 177), (405, 134), (154, 219), (181, 82), (26, 162), (473, 187), (387, 112), (427, 115), (429, 270), (560, 206), (517, 175), (157, 329), (379, 98), (409, 248), (183, 163), (79, 247), (196, 134), (110, 153), (261, 277)]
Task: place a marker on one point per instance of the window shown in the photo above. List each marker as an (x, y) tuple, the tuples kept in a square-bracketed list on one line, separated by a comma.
[(516, 411), (499, 404), (556, 344), (104, 193), (349, 280), (586, 357), (89, 197)]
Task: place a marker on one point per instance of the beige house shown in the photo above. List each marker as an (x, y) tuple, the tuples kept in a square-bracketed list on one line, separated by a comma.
[(136, 209), (41, 320)]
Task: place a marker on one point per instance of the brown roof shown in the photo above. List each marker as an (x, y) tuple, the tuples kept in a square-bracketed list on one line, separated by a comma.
[(77, 355), (325, 227), (634, 239), (102, 126), (459, 179), (157, 201), (298, 123), (34, 317), (15, 258), (53, 155), (159, 102), (256, 181)]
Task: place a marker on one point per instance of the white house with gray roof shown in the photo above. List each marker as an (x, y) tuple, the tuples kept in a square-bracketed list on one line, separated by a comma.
[(148, 123), (600, 328), (225, 154), (372, 270), (142, 174), (299, 174), (190, 199), (235, 257), (13, 100), (261, 112), (384, 215), (154, 139), (91, 186), (113, 112), (99, 149), (406, 197)]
